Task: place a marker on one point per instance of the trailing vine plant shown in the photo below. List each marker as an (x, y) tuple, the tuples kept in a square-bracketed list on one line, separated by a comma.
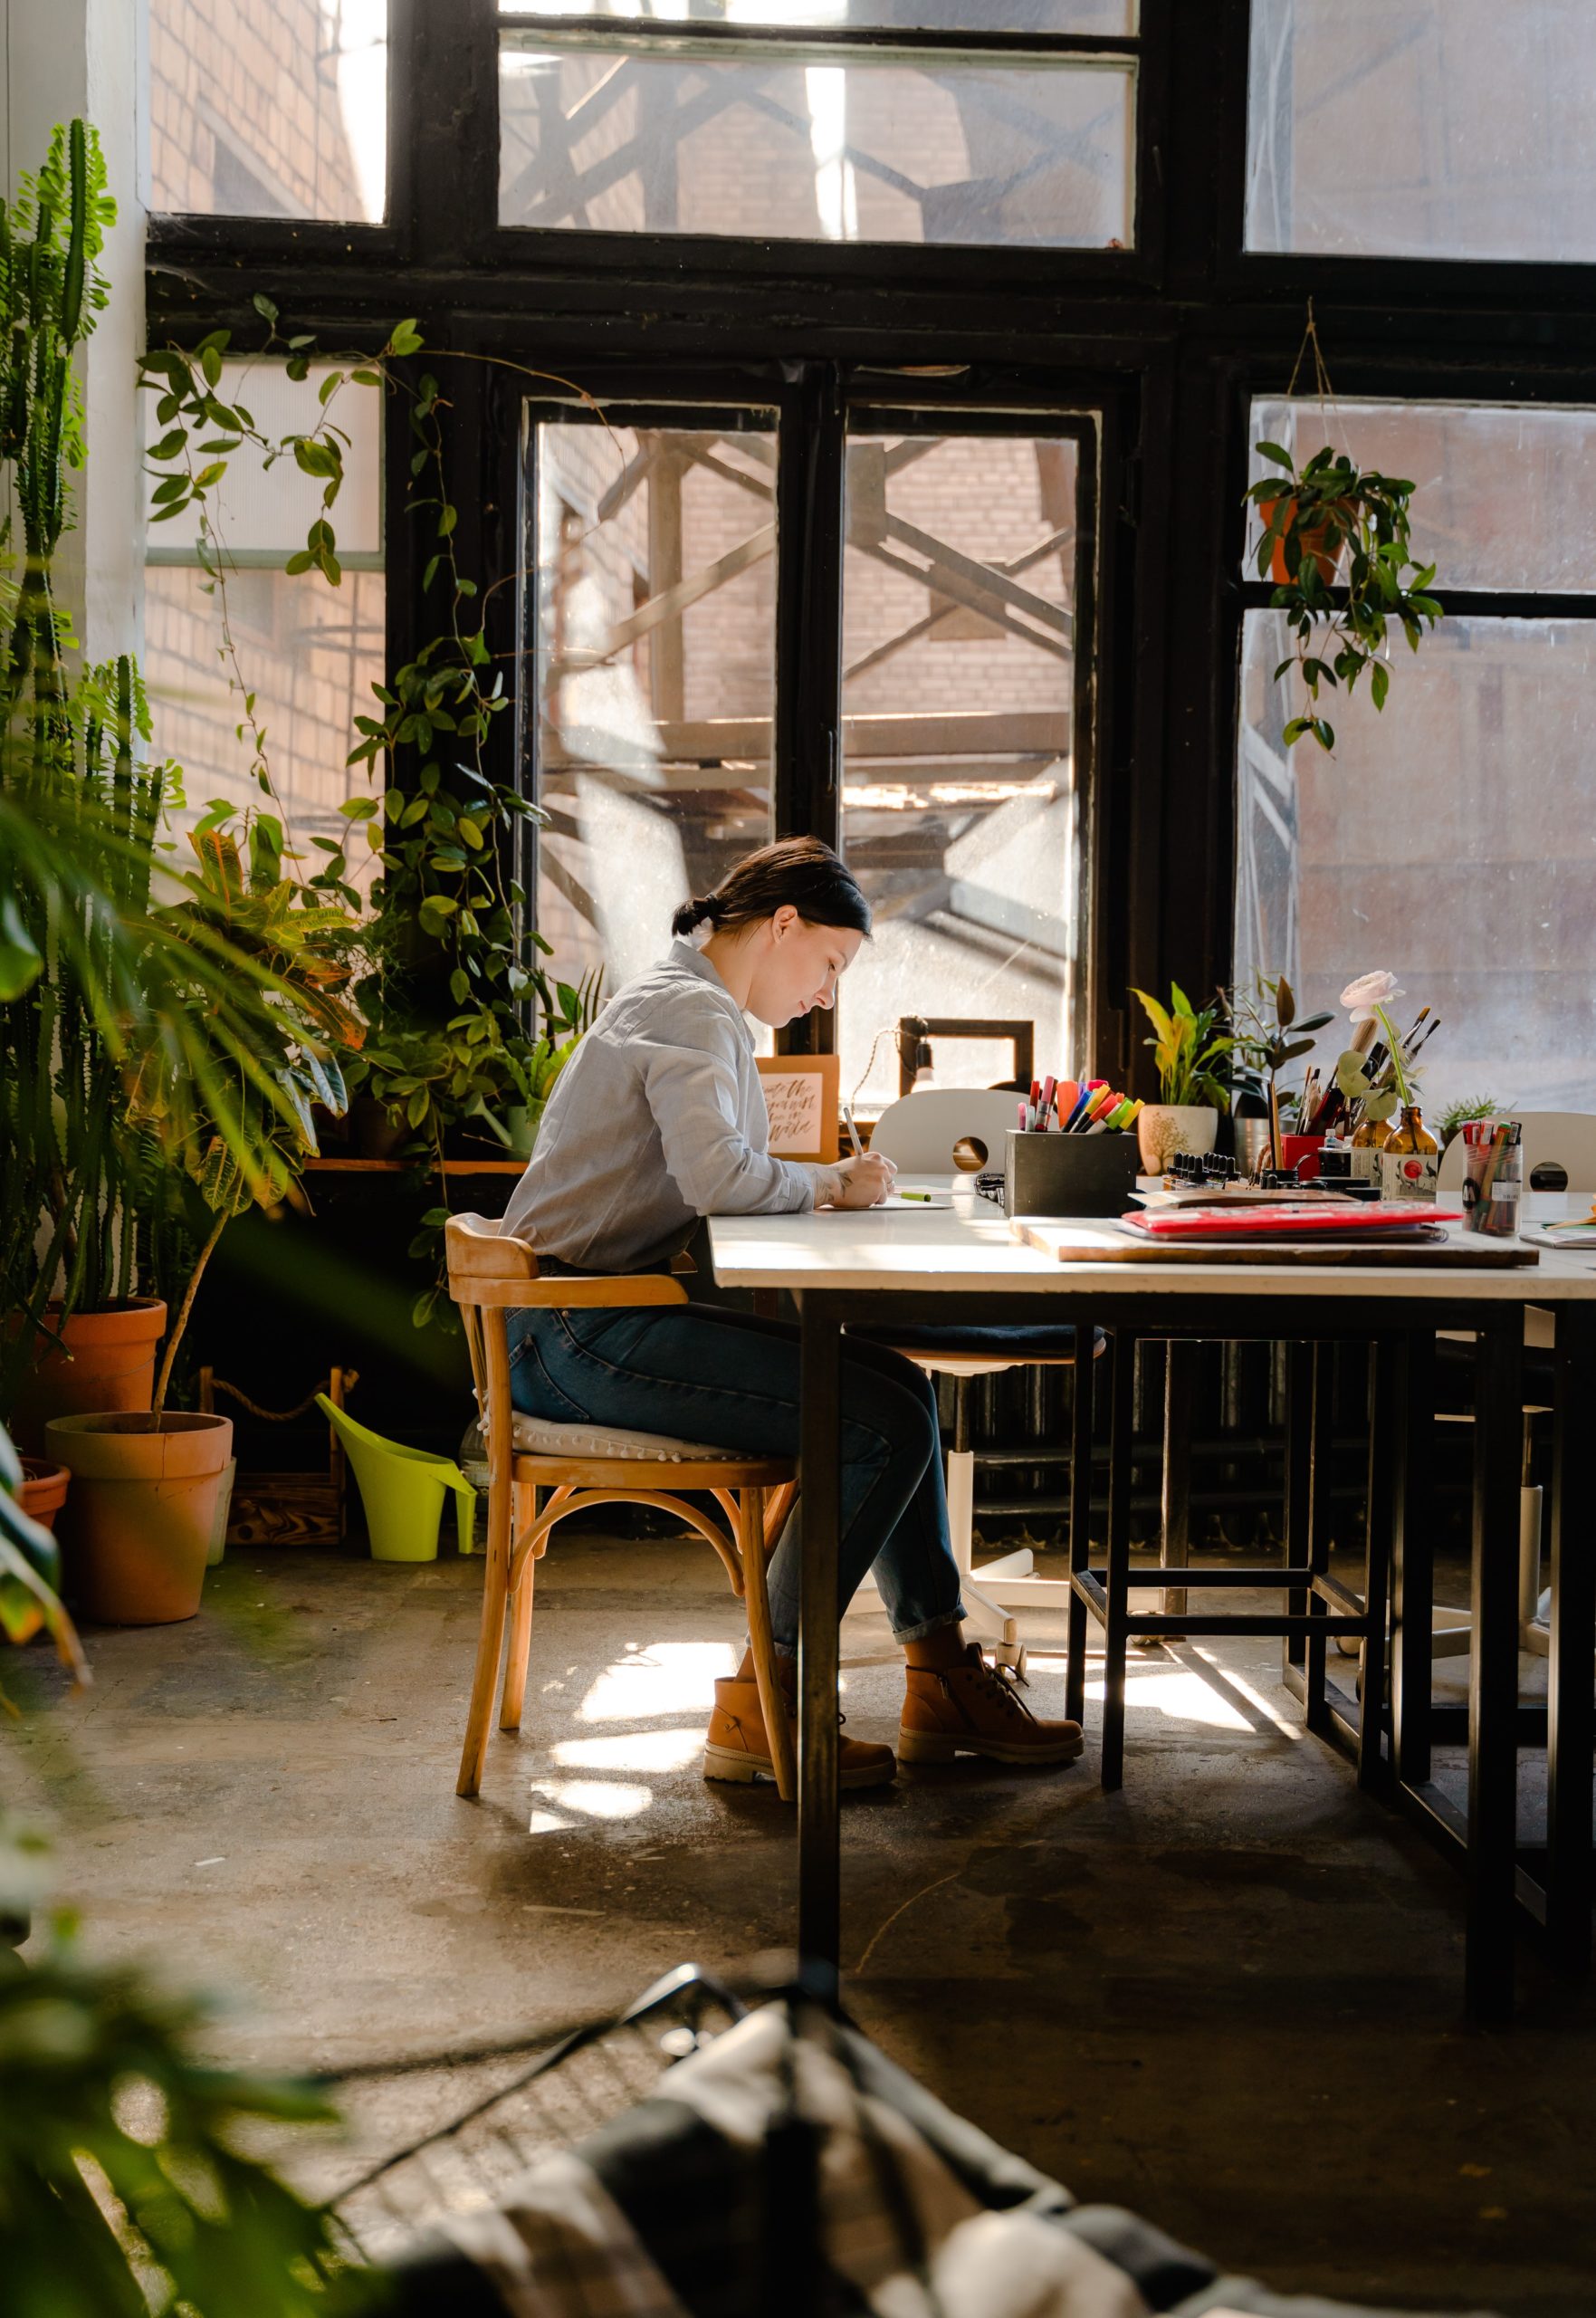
[(467, 1029), (1335, 538)]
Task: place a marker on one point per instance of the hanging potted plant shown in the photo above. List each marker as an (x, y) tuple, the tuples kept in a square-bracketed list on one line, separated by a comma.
[(1189, 1050), (1332, 521)]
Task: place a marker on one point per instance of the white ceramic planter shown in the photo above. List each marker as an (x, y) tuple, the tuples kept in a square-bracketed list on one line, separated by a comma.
[(1164, 1128)]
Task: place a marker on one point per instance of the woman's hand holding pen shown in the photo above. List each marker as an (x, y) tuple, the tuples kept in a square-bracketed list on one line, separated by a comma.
[(863, 1181)]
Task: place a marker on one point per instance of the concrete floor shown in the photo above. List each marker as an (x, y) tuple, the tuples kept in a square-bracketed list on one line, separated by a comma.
[(1228, 1997)]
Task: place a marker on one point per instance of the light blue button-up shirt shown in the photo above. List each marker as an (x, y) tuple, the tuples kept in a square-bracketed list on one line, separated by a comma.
[(657, 1119)]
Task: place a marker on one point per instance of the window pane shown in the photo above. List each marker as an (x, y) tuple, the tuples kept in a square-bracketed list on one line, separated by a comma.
[(684, 139), (1109, 18), (959, 812), (1445, 129), (656, 660), (311, 654), (1422, 845), (260, 513), (1506, 492), (268, 107)]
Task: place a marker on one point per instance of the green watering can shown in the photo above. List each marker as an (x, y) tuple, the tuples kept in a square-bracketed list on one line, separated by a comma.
[(402, 1490)]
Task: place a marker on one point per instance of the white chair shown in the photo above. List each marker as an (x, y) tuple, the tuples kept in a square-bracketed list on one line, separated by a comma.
[(1562, 1140), (949, 1130), (946, 1131)]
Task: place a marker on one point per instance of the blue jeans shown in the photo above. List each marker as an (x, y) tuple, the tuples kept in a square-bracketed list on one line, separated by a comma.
[(724, 1377)]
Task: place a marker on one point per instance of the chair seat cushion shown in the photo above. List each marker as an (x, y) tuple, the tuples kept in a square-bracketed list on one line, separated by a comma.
[(1021, 1341), (541, 1437)]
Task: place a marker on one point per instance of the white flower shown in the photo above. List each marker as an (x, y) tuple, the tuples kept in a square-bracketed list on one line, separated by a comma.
[(1362, 997)]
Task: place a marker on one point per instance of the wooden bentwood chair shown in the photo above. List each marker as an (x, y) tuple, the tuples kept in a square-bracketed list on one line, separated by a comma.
[(538, 1472)]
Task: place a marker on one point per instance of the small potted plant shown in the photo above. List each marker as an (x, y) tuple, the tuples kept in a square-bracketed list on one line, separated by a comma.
[(1457, 1116), (1189, 1049), (1266, 1034), (1330, 519)]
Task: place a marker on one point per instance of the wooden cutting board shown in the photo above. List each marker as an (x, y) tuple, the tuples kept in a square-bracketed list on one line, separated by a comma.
[(1071, 1243)]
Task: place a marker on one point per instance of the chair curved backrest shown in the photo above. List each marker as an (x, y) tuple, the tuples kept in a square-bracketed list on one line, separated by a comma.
[(1566, 1139), (919, 1132)]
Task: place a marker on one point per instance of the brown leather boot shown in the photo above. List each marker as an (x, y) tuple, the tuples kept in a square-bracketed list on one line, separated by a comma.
[(975, 1709), (736, 1748)]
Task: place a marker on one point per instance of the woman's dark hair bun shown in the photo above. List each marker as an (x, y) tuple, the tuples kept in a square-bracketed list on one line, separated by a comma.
[(799, 873), (693, 913)]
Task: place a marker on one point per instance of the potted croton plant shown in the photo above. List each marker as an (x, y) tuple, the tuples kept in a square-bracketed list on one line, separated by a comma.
[(1331, 525), (1188, 1047)]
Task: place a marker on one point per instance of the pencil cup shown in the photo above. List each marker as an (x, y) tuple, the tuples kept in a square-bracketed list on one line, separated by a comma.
[(1493, 1176), (1069, 1174)]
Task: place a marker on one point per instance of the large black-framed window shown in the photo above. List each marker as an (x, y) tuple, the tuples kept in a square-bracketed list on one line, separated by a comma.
[(868, 615), (1452, 839), (1167, 340)]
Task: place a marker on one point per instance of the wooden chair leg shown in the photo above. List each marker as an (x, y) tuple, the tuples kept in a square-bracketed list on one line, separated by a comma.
[(778, 1504), (490, 1641), (750, 1540), (520, 1616)]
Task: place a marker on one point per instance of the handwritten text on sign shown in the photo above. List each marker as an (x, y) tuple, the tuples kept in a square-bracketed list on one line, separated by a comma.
[(795, 1100)]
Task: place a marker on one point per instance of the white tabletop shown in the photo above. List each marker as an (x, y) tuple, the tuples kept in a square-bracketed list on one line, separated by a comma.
[(969, 1247)]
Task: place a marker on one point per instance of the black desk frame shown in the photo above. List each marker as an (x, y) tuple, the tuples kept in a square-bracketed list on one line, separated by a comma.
[(1483, 1838)]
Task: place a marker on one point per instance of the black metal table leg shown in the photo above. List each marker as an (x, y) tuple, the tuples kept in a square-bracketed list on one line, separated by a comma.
[(1317, 1714), (1385, 1425), (1571, 1721), (1302, 1362), (1080, 1515), (1122, 1359), (1493, 1697), (820, 1475), (1412, 1679), (1174, 1552)]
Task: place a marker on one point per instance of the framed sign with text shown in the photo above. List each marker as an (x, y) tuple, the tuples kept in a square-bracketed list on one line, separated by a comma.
[(801, 1097)]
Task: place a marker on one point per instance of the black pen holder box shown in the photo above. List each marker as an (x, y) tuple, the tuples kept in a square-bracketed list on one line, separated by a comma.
[(1069, 1174)]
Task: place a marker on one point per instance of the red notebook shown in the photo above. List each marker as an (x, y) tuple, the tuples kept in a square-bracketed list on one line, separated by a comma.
[(1338, 1222)]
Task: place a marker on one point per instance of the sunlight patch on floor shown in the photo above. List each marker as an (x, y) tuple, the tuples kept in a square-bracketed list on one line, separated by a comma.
[(638, 1751), (594, 1798), (658, 1679), (1180, 1695)]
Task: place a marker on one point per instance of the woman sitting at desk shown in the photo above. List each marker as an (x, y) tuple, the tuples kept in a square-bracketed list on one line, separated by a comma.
[(659, 1119)]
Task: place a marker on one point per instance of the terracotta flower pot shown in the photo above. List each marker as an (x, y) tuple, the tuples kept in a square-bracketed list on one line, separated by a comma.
[(42, 1496), (106, 1360), (43, 1490), (143, 1506), (1312, 539)]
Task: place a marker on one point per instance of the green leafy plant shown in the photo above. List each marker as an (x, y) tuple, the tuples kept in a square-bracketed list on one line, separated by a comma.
[(125, 2183), (1265, 1035), (247, 1130), (1318, 519), (467, 1030), (1188, 1049)]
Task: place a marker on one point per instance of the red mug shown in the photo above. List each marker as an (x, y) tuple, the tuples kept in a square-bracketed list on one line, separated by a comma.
[(1300, 1152)]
